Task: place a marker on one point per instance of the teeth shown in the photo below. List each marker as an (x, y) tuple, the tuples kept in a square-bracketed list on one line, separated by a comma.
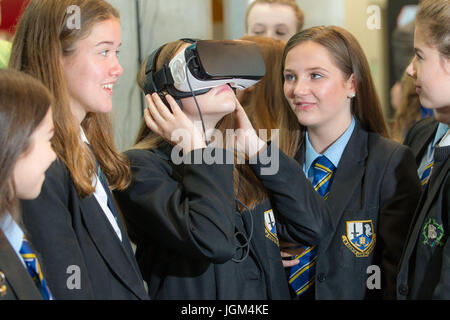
[(107, 86)]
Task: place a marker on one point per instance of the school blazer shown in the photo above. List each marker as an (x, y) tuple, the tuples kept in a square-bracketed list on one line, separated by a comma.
[(364, 222), (183, 220), (14, 276), (425, 273), (419, 136), (83, 256)]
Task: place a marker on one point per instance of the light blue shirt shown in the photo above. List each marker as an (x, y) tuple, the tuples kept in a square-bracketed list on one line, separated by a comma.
[(429, 154), (333, 153), (13, 233)]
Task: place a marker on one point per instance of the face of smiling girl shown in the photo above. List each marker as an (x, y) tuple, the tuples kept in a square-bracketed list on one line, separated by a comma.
[(93, 69), (315, 88)]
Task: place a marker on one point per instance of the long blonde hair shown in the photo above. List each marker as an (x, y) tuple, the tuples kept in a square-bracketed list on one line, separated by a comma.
[(44, 35), (247, 187)]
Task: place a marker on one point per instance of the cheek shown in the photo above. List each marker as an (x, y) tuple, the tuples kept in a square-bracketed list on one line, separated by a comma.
[(288, 90)]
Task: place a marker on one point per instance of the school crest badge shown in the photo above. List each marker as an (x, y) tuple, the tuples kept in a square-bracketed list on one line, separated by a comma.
[(432, 232), (360, 238), (270, 227)]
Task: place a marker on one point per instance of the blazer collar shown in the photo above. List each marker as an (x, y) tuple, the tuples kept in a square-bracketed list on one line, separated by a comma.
[(349, 172), (115, 253)]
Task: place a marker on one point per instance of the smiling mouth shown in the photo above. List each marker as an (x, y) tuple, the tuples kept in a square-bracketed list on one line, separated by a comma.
[(304, 105)]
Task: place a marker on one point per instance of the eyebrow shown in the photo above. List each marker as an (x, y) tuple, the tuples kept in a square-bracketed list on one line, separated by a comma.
[(309, 69), (107, 43)]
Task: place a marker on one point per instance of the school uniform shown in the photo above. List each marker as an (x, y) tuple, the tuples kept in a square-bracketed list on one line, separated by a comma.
[(15, 281), (420, 136), (424, 272), (85, 255), (372, 196), (191, 242)]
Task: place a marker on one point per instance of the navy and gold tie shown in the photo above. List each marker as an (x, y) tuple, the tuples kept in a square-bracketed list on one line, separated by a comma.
[(34, 269), (426, 174), (302, 275)]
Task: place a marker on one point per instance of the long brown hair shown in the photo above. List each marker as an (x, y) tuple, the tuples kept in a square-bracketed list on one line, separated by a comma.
[(264, 100), (349, 57), (434, 16), (408, 111), (247, 187), (24, 102), (44, 35)]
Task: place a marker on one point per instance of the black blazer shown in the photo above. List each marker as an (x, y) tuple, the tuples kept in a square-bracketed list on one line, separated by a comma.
[(419, 136), (183, 220), (375, 188), (77, 242), (14, 276), (424, 272)]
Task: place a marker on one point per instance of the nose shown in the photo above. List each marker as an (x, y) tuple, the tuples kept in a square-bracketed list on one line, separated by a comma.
[(301, 88), (116, 68), (411, 70)]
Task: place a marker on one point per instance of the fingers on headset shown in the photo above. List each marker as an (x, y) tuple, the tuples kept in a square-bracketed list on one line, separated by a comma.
[(173, 104), (161, 107), (151, 124), (153, 110)]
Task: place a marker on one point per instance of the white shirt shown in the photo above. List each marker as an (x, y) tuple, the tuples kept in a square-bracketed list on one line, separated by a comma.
[(102, 197)]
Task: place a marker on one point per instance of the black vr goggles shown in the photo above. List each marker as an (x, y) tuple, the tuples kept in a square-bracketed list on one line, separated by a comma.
[(203, 65)]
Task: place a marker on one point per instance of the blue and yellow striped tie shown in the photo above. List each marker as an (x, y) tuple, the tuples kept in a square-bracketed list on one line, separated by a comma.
[(426, 174), (302, 275), (34, 269)]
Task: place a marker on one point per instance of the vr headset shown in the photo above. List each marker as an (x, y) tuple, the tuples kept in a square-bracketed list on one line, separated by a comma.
[(203, 65)]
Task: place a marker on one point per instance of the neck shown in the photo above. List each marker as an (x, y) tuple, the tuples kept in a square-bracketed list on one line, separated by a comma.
[(322, 137), (78, 112), (210, 122)]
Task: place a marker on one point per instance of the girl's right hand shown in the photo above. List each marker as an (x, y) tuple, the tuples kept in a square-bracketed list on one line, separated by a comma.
[(175, 127)]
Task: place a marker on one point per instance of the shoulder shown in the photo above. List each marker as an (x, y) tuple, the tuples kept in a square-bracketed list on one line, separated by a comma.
[(388, 152), (420, 128)]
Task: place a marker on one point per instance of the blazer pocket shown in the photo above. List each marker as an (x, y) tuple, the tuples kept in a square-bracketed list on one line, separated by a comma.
[(357, 238)]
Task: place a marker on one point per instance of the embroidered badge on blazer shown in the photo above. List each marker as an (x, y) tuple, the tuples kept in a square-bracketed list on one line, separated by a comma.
[(432, 233), (3, 288), (360, 238), (270, 227)]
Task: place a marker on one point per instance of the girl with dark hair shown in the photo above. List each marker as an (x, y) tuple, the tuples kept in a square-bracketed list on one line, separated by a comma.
[(75, 223), (344, 193), (26, 127)]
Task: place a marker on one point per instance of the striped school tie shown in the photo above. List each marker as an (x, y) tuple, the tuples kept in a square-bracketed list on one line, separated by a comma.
[(34, 269), (302, 275), (426, 174)]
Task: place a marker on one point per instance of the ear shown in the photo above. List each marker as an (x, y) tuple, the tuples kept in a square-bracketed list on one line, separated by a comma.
[(350, 85)]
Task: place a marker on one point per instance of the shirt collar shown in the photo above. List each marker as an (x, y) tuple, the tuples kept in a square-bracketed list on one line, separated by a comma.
[(12, 232), (333, 153), (440, 132), (83, 136)]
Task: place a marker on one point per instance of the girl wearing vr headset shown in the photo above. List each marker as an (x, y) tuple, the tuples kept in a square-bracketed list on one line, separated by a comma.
[(203, 231), (26, 128), (72, 46), (344, 191)]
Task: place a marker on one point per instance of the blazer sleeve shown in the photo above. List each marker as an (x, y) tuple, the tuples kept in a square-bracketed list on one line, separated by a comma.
[(293, 195), (400, 193), (192, 215), (48, 222)]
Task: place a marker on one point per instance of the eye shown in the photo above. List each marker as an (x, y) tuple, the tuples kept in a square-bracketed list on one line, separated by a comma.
[(289, 77), (316, 76), (280, 33), (104, 53), (419, 57)]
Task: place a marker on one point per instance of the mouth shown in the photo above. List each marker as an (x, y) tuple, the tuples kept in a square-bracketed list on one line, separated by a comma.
[(108, 87), (304, 105), (223, 88)]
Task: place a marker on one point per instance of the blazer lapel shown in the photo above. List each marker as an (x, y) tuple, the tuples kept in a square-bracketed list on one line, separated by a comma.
[(15, 272), (422, 142), (109, 245)]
